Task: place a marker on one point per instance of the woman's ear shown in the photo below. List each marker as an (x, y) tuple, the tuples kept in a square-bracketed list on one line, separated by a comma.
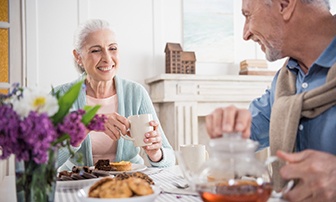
[(287, 8), (77, 57)]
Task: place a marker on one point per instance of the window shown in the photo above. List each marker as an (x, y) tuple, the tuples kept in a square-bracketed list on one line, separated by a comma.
[(11, 68), (208, 30)]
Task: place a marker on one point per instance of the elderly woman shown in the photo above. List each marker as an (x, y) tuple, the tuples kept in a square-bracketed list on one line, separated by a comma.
[(97, 57)]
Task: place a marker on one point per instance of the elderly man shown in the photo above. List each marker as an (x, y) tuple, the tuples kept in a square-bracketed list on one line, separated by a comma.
[(296, 116)]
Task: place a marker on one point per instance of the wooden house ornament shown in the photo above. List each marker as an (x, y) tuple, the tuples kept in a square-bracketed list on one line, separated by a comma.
[(179, 61)]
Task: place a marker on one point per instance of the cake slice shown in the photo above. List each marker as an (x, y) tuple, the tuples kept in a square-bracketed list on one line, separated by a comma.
[(104, 164)]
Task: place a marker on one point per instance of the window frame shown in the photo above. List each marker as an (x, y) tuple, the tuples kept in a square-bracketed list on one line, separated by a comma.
[(16, 67)]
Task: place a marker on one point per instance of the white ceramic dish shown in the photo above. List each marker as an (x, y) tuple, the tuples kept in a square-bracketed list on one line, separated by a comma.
[(75, 184), (83, 196), (135, 168)]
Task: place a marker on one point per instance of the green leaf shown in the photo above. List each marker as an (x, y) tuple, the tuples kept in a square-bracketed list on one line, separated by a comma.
[(90, 113), (66, 101), (54, 93), (61, 139)]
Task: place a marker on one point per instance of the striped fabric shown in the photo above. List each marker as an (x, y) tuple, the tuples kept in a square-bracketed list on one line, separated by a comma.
[(161, 177)]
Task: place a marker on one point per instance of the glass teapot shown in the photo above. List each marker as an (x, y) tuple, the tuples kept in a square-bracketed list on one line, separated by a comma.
[(232, 173)]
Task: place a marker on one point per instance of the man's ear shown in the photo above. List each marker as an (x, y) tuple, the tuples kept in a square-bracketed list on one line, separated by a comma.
[(287, 8)]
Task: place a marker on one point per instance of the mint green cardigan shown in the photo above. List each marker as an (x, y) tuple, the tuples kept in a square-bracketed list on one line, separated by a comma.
[(132, 99)]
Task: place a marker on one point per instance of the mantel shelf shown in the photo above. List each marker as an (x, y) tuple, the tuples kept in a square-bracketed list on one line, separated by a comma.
[(195, 77), (181, 100)]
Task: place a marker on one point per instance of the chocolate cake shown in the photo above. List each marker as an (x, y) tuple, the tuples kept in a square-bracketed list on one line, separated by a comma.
[(104, 164)]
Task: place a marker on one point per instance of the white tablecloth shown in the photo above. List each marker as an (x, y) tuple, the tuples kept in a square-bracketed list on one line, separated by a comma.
[(161, 177)]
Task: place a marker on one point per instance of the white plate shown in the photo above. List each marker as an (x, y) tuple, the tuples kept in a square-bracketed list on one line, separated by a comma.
[(83, 196), (75, 184), (135, 168)]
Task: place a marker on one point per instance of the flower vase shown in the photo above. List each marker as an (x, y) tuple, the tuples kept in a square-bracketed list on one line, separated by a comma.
[(36, 182)]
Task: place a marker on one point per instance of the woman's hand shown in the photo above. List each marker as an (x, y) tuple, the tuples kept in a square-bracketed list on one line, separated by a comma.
[(115, 124), (80, 142), (154, 150)]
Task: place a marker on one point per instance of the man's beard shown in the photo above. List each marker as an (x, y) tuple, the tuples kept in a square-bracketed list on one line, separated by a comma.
[(273, 52)]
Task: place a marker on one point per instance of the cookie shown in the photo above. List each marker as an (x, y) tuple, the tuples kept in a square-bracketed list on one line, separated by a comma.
[(122, 176), (143, 176), (115, 189), (139, 186), (95, 188)]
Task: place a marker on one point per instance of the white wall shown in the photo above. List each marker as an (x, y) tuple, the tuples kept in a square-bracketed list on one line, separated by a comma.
[(143, 28)]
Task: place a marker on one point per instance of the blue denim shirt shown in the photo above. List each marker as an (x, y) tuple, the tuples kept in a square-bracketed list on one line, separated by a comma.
[(318, 133)]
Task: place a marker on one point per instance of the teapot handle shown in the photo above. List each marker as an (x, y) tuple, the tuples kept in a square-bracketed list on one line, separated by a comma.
[(270, 160), (290, 184)]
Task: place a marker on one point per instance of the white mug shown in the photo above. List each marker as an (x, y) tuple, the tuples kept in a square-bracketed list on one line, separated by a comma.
[(194, 155), (139, 126)]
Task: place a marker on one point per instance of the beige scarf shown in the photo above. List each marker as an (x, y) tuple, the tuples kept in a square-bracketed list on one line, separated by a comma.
[(289, 108)]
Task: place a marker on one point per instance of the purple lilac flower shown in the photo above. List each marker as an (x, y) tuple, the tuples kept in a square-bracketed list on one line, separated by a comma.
[(9, 122), (97, 123), (73, 126), (36, 133)]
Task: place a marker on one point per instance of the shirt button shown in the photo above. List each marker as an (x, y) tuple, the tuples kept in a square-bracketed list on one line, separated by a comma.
[(300, 127), (304, 85)]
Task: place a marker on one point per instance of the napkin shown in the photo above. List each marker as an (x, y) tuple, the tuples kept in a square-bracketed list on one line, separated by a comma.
[(187, 191)]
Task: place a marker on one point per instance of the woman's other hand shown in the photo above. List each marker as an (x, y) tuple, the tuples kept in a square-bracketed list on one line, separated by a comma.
[(153, 151)]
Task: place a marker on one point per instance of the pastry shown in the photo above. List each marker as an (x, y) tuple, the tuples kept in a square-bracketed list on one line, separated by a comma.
[(121, 166)]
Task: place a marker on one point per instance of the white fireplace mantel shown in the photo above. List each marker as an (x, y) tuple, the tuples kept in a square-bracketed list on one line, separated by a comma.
[(182, 101)]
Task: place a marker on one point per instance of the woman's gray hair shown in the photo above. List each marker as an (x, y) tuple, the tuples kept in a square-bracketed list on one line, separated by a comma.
[(83, 31)]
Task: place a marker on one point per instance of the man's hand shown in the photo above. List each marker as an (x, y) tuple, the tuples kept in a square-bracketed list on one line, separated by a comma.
[(316, 174), (227, 120)]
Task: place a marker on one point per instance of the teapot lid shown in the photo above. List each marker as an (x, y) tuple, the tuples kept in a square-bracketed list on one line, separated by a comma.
[(233, 143)]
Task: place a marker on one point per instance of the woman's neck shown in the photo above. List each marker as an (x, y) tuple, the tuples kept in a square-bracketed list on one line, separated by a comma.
[(100, 89)]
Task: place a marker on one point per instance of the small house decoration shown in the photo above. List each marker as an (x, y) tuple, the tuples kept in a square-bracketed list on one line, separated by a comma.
[(179, 61)]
